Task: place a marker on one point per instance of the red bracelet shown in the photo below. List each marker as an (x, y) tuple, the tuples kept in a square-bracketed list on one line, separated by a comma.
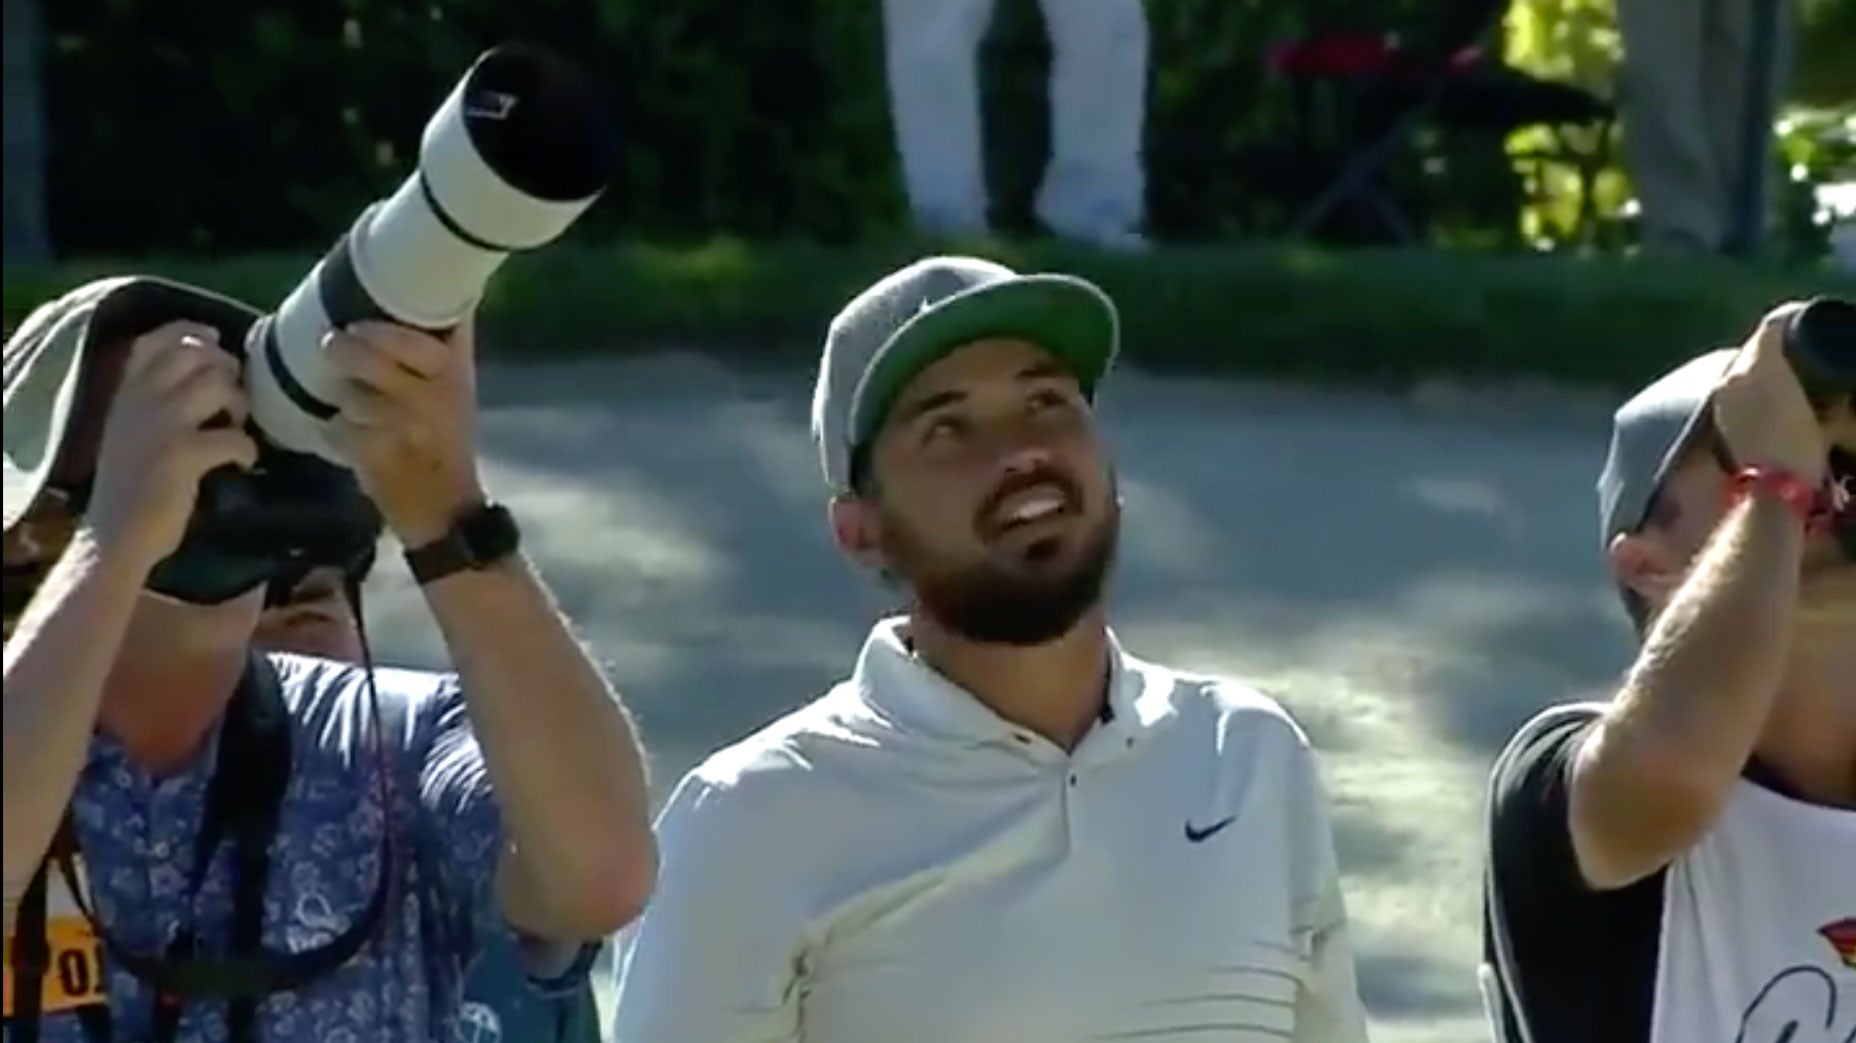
[(1783, 486)]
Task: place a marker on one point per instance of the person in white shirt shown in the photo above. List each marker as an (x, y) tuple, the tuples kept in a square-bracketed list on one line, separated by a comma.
[(1002, 827)]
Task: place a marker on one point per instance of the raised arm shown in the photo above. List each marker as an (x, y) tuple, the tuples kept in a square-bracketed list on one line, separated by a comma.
[(1652, 777), (153, 453)]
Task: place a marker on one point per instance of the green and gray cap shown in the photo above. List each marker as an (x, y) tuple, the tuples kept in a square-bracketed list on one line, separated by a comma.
[(918, 315)]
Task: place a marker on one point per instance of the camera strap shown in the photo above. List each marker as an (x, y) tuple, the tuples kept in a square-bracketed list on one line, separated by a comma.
[(53, 962), (244, 798)]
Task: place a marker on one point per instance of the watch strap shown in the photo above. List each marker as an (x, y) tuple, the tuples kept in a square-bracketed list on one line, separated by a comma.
[(439, 558), (478, 539)]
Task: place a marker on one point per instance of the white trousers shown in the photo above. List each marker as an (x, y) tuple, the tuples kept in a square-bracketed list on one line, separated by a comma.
[(1094, 184), (1685, 79)]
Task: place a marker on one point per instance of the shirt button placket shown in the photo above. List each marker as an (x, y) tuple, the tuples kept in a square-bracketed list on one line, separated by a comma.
[(167, 886), (160, 825), (161, 902), (1072, 803)]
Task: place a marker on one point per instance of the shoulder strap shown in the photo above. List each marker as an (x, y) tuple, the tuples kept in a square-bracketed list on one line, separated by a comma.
[(243, 799), (394, 709), (1507, 1013), (31, 953), (261, 771), (31, 958)]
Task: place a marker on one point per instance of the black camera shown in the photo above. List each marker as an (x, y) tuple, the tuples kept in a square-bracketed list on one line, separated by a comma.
[(1820, 343)]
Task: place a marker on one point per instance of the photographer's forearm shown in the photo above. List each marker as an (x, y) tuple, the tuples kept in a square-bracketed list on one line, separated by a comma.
[(561, 752), (57, 661), (1711, 667), (1656, 772)]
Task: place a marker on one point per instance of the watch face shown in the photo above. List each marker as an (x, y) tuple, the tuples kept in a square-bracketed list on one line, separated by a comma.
[(489, 534)]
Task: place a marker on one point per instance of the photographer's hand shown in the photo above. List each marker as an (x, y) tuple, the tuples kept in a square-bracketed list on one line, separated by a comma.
[(408, 423), (1762, 411), (156, 447), (563, 758)]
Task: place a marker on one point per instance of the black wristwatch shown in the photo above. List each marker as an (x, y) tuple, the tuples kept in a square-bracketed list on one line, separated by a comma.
[(481, 537)]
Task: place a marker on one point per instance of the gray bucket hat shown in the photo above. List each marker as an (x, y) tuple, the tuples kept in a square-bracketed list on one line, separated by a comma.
[(52, 354), (915, 316)]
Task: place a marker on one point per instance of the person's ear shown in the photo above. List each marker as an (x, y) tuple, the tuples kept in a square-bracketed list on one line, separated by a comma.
[(1643, 564), (857, 529)]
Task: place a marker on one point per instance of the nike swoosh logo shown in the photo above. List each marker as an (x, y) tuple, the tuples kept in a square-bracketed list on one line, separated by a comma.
[(1198, 836)]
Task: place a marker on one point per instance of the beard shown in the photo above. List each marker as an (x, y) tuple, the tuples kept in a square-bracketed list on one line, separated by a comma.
[(1024, 603)]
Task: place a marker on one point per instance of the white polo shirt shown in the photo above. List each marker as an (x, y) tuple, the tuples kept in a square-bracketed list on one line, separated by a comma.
[(894, 863)]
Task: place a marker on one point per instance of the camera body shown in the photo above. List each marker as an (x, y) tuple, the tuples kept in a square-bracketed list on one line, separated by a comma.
[(515, 154), (1820, 343)]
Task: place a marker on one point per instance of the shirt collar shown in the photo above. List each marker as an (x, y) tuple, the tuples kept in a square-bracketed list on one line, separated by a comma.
[(900, 685)]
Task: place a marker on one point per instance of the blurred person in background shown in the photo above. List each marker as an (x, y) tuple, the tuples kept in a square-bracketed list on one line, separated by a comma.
[(1094, 188), (1679, 865), (1002, 827), (313, 613), (1685, 84)]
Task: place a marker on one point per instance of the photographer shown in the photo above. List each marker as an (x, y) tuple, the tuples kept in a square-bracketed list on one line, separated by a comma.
[(420, 813), (317, 614), (1679, 865)]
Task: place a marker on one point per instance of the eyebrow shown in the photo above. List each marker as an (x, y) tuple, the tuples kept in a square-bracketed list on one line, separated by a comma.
[(912, 411), (1037, 371), (1046, 370)]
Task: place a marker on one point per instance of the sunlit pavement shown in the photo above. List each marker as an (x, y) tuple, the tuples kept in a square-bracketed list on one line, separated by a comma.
[(1410, 575)]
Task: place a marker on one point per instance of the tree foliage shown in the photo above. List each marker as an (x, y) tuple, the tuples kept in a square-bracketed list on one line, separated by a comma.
[(211, 126)]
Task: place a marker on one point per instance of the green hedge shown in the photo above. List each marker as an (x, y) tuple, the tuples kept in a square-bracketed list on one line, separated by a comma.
[(1366, 317)]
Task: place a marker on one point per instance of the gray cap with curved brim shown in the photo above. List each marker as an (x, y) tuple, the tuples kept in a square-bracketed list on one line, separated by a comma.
[(916, 316), (1649, 433)]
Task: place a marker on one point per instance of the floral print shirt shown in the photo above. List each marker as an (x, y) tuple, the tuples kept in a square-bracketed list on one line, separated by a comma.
[(136, 838)]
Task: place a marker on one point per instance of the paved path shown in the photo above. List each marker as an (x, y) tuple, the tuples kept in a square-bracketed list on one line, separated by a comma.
[(1411, 576)]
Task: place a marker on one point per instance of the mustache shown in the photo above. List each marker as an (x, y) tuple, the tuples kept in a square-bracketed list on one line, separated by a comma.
[(1013, 484)]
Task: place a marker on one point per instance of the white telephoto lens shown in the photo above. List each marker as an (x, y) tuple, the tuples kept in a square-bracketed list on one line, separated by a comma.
[(517, 152)]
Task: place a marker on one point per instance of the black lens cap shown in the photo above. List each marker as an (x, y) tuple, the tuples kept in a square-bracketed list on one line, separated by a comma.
[(1823, 333)]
